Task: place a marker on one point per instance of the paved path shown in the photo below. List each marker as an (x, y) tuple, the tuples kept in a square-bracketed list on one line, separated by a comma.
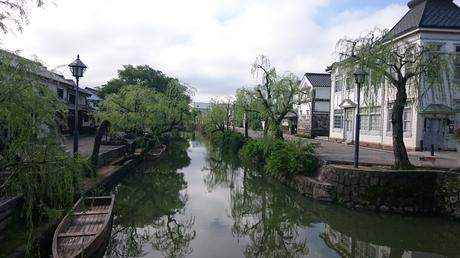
[(331, 151), (85, 145)]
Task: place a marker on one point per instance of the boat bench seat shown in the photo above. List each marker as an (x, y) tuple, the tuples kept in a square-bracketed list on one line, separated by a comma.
[(83, 213), (77, 234)]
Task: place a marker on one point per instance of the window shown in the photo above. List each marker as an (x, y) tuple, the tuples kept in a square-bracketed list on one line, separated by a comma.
[(338, 83), (338, 119), (457, 62), (349, 82), (370, 118), (407, 118), (71, 99), (60, 93)]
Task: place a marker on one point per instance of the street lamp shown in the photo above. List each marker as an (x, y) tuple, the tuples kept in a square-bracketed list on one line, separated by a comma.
[(360, 76), (77, 68)]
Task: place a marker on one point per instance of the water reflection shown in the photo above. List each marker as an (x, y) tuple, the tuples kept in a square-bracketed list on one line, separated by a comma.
[(277, 221), (208, 206), (150, 210)]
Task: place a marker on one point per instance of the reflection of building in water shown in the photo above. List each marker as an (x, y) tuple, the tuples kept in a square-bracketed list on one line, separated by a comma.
[(346, 246)]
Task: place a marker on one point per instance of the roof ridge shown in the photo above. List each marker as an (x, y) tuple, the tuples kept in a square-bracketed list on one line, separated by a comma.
[(325, 74)]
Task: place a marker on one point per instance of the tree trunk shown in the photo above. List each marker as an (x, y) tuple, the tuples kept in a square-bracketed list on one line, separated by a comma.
[(277, 130), (97, 141), (399, 148)]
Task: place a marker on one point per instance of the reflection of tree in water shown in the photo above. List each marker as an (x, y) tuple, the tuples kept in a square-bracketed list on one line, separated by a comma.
[(223, 166), (150, 209), (269, 218)]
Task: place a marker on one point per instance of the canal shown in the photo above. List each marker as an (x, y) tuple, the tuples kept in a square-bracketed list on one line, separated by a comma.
[(198, 202)]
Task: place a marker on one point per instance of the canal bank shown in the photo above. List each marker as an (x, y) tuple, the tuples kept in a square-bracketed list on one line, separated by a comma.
[(113, 167), (372, 186), (200, 202)]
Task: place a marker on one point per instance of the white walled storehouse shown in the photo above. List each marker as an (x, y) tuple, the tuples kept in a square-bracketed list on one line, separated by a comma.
[(313, 117), (429, 119)]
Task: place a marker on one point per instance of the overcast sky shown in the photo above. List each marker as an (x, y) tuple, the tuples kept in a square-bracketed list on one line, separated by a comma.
[(209, 44)]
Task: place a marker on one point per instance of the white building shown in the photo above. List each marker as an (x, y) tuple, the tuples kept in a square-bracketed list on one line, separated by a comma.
[(313, 117), (429, 121)]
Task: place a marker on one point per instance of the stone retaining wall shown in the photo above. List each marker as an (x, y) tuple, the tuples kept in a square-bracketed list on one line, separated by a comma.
[(109, 156), (385, 190), (421, 192), (448, 194), (311, 188)]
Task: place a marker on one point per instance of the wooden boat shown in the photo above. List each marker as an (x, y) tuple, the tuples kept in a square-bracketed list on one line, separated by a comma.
[(85, 230), (155, 153)]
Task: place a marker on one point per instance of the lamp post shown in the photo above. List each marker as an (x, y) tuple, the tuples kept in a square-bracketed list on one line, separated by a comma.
[(77, 68), (360, 76)]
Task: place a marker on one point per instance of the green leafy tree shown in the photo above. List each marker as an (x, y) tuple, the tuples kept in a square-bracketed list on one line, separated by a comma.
[(400, 65), (135, 75), (218, 117), (249, 108), (144, 111), (276, 95), (32, 159)]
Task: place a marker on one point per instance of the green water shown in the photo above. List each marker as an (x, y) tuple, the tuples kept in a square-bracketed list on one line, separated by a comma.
[(199, 202)]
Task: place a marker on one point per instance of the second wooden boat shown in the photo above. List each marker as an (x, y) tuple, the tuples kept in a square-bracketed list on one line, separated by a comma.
[(86, 229), (155, 153)]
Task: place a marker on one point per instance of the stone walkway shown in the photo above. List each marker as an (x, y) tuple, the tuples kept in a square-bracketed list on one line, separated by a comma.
[(85, 145), (339, 152)]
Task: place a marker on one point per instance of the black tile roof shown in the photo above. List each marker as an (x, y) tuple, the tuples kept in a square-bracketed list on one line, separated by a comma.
[(319, 79), (436, 14)]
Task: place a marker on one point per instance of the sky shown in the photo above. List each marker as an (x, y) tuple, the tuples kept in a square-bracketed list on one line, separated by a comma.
[(208, 44)]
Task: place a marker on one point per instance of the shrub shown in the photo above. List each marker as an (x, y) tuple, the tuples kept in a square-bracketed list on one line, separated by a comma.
[(280, 158), (252, 153)]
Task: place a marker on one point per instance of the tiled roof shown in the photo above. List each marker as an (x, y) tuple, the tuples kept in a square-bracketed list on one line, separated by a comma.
[(436, 14), (319, 79)]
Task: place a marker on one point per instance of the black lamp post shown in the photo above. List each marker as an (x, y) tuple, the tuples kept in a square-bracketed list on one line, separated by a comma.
[(360, 76), (77, 68)]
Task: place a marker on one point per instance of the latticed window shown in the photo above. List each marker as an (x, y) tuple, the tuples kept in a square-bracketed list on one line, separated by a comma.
[(338, 119), (338, 83), (407, 118), (349, 82), (370, 118)]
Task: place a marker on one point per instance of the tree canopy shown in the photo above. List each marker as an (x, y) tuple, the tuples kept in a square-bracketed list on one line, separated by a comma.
[(137, 75), (410, 69), (275, 97), (150, 109)]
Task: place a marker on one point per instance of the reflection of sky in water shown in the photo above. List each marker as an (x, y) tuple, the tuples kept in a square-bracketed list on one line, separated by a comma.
[(216, 235)]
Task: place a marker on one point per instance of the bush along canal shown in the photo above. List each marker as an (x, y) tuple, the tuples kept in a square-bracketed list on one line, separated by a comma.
[(197, 201)]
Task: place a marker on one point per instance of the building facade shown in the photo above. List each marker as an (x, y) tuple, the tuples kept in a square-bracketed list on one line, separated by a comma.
[(65, 90), (432, 113), (313, 117)]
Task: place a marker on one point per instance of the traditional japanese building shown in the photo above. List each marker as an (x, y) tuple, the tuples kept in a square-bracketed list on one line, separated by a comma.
[(313, 117), (430, 118)]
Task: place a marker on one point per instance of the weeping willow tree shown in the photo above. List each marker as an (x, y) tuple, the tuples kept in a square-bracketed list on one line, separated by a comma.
[(147, 113), (409, 70), (33, 162), (276, 95), (15, 13)]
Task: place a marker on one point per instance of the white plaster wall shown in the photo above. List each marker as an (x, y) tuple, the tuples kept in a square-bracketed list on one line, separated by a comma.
[(323, 92), (322, 106)]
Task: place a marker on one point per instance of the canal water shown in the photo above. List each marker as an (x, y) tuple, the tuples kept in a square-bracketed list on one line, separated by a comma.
[(198, 202)]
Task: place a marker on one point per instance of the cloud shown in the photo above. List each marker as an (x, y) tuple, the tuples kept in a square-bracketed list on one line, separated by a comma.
[(209, 44)]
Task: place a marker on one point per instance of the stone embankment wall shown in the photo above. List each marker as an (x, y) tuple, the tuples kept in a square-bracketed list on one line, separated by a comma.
[(448, 194), (109, 156), (421, 192)]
